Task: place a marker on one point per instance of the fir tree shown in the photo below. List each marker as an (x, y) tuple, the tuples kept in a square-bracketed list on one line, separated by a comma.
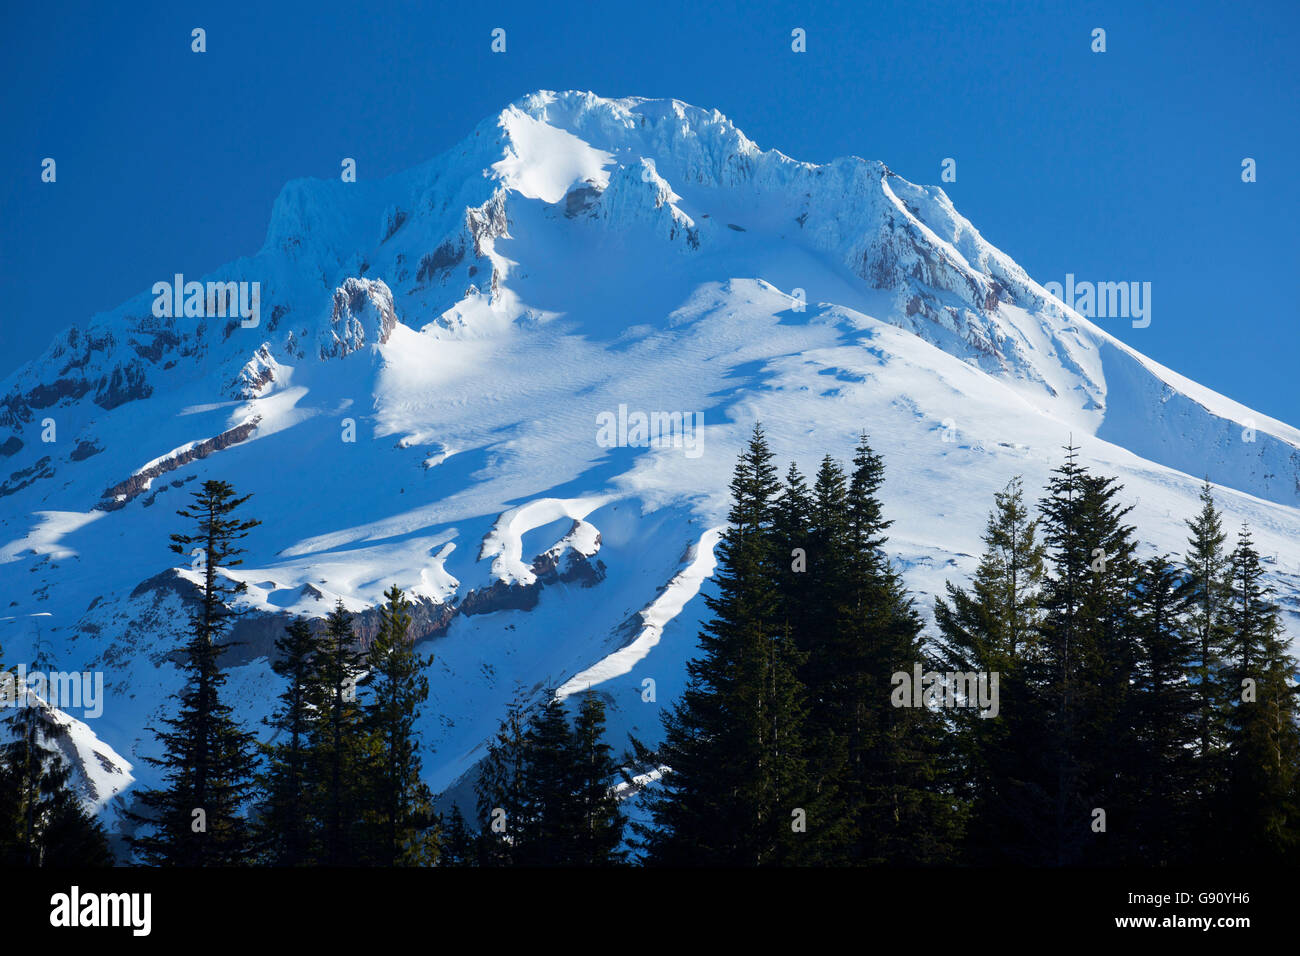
[(457, 841), (993, 629), (500, 791), (733, 742), (548, 821), (904, 808), (286, 830), (600, 822), (399, 804), (335, 741), (1088, 657), (1164, 717), (1204, 605), (1262, 815), (207, 767)]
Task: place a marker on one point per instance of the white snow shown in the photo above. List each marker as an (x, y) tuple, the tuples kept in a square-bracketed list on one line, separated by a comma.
[(571, 255)]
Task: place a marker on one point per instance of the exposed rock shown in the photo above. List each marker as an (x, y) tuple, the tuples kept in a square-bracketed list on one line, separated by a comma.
[(363, 313), (27, 476), (119, 494), (85, 449)]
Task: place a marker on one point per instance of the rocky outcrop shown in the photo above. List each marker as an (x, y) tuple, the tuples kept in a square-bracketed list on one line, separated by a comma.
[(124, 491), (362, 314)]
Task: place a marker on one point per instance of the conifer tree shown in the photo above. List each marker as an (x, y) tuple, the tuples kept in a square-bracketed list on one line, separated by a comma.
[(286, 830), (993, 629), (1163, 717), (548, 820), (792, 545), (335, 741), (821, 633), (42, 821), (1204, 605), (501, 795), (398, 804), (1088, 657), (195, 818), (457, 842), (906, 810), (600, 822), (1262, 819), (734, 739)]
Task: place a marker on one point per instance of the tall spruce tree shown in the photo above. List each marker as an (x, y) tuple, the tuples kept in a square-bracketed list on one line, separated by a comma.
[(734, 741), (335, 741), (600, 821), (1088, 657), (195, 818), (287, 835), (500, 791), (399, 805), (993, 629), (548, 821), (1262, 818), (905, 806), (1204, 600), (1163, 715)]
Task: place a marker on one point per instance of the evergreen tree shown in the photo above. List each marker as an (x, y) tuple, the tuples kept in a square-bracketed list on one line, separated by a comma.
[(1089, 655), (993, 629), (794, 549), (286, 830), (42, 822), (207, 766), (1205, 608), (398, 803), (600, 822), (733, 742), (1163, 716), (905, 806), (335, 740), (548, 821), (1262, 815), (501, 794), (457, 843)]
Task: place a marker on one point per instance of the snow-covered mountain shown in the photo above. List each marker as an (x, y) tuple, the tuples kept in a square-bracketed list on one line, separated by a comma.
[(471, 323)]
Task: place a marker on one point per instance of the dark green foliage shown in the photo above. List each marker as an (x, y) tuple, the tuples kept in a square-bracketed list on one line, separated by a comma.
[(1163, 715), (42, 822), (554, 783), (734, 741), (1262, 817), (286, 829), (336, 742), (457, 846), (195, 818), (397, 804), (501, 793)]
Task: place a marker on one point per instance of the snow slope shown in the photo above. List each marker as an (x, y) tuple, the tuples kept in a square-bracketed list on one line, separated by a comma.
[(419, 403)]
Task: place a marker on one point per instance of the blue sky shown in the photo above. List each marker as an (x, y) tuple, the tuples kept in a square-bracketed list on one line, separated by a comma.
[(1124, 165)]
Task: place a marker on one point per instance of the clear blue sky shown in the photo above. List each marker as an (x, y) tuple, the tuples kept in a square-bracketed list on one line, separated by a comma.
[(1116, 166)]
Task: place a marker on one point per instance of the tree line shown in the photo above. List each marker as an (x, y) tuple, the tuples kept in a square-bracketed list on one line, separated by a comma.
[(1144, 712), (1147, 708)]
